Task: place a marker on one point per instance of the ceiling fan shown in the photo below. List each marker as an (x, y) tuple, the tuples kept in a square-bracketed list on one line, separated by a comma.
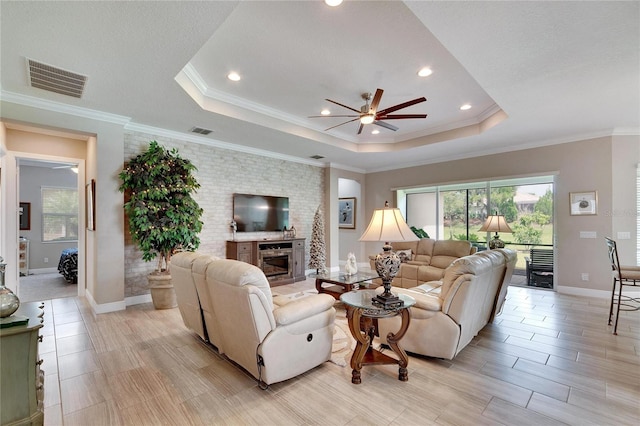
[(369, 114)]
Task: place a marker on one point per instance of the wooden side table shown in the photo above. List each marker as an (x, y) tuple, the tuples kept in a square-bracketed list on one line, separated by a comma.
[(361, 312)]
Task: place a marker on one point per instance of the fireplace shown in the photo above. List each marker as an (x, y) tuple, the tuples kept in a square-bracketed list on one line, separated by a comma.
[(276, 263)]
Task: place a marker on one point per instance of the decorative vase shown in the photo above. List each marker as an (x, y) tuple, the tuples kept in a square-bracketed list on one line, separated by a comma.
[(163, 294), (9, 302)]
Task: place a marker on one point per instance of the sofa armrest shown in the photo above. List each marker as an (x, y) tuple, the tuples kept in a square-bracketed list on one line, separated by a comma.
[(428, 302), (302, 308)]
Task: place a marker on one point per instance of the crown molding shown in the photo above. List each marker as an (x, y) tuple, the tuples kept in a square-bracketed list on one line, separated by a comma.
[(202, 140), (500, 150), (34, 102)]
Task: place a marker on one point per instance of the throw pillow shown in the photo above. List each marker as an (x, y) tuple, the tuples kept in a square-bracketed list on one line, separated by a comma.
[(404, 255)]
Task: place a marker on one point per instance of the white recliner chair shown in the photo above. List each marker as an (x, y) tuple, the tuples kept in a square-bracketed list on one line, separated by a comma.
[(186, 293), (273, 343), (450, 312)]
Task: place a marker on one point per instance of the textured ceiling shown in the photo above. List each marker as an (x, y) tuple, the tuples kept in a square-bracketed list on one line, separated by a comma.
[(536, 73)]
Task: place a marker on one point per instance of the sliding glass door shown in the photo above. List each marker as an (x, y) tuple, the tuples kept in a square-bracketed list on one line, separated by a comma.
[(457, 212)]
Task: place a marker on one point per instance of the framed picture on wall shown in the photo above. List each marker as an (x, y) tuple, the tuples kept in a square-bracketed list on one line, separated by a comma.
[(25, 216), (347, 213), (583, 203), (91, 205)]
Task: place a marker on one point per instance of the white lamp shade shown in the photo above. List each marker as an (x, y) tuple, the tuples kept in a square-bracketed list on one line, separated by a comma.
[(388, 225), (495, 223)]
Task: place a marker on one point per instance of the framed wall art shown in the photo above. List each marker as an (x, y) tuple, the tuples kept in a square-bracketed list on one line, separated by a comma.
[(347, 213), (25, 216), (91, 205), (583, 203)]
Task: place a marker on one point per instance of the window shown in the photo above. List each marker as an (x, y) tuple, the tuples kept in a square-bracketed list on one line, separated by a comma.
[(59, 214)]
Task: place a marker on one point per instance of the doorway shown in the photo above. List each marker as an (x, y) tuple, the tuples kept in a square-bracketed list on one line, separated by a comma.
[(48, 229)]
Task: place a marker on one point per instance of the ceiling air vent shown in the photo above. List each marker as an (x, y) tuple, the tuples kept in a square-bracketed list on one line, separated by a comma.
[(57, 80), (200, 130), (317, 157)]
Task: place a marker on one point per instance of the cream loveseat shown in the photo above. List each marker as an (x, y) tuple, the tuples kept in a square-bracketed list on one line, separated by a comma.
[(230, 304), (426, 259), (450, 312)]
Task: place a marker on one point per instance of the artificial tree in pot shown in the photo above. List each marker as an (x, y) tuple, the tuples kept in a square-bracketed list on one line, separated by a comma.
[(163, 217)]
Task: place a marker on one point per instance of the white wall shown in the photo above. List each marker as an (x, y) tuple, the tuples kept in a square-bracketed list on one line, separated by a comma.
[(220, 173), (105, 283), (606, 165), (348, 243)]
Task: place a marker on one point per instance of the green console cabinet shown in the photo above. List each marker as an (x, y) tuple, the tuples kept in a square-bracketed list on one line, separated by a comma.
[(21, 379)]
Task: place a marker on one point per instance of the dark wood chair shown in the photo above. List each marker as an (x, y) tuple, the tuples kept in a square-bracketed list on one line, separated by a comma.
[(624, 276), (539, 267)]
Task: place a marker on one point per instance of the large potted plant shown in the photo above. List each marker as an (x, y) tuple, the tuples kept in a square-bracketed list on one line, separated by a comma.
[(163, 217)]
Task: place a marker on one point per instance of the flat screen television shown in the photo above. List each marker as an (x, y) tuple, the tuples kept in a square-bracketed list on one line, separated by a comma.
[(258, 213)]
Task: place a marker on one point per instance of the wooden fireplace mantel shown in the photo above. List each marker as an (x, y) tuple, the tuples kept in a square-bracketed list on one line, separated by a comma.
[(252, 251)]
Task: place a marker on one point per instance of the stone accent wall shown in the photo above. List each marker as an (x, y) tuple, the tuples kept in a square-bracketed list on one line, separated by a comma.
[(221, 173)]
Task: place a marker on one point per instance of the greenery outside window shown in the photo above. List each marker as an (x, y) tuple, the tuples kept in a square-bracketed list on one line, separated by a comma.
[(457, 211), (59, 214)]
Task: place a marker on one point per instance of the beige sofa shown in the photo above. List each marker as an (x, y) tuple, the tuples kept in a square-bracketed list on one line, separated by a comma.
[(426, 259), (230, 304), (450, 312)]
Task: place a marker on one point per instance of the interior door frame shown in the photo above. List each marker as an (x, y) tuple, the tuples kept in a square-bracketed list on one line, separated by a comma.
[(13, 203)]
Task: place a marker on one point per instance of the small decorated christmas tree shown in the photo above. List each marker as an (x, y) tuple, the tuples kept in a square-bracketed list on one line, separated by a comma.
[(317, 255)]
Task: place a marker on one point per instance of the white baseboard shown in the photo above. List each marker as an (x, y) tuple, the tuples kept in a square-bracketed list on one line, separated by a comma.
[(137, 300), (104, 308), (587, 292)]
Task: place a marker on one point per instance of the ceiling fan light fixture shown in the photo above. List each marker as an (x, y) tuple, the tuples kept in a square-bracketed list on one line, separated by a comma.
[(425, 72), (367, 119), (325, 112)]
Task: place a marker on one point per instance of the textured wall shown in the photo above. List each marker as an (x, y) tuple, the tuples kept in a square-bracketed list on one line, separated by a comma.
[(220, 173)]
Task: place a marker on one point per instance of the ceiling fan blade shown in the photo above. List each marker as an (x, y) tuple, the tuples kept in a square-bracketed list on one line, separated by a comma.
[(343, 106), (400, 106), (330, 116), (401, 116), (385, 125), (333, 127), (360, 128), (376, 101)]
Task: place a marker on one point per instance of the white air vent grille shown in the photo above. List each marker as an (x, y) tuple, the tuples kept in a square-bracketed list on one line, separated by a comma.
[(47, 77), (200, 130)]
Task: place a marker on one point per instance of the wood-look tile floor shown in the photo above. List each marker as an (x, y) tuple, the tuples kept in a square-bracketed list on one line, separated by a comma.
[(548, 359)]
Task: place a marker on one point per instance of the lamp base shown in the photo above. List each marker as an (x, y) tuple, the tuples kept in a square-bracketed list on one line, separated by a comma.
[(387, 300), (387, 266), (496, 243)]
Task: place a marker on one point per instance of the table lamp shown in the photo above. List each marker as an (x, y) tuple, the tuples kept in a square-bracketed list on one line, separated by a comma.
[(388, 225), (495, 223)]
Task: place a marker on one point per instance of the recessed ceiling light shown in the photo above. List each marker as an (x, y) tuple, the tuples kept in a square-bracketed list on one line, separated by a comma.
[(325, 112), (333, 3), (233, 76), (375, 132), (465, 107), (425, 72)]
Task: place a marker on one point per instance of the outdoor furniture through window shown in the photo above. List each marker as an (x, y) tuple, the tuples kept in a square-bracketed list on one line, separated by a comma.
[(625, 276), (539, 266)]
